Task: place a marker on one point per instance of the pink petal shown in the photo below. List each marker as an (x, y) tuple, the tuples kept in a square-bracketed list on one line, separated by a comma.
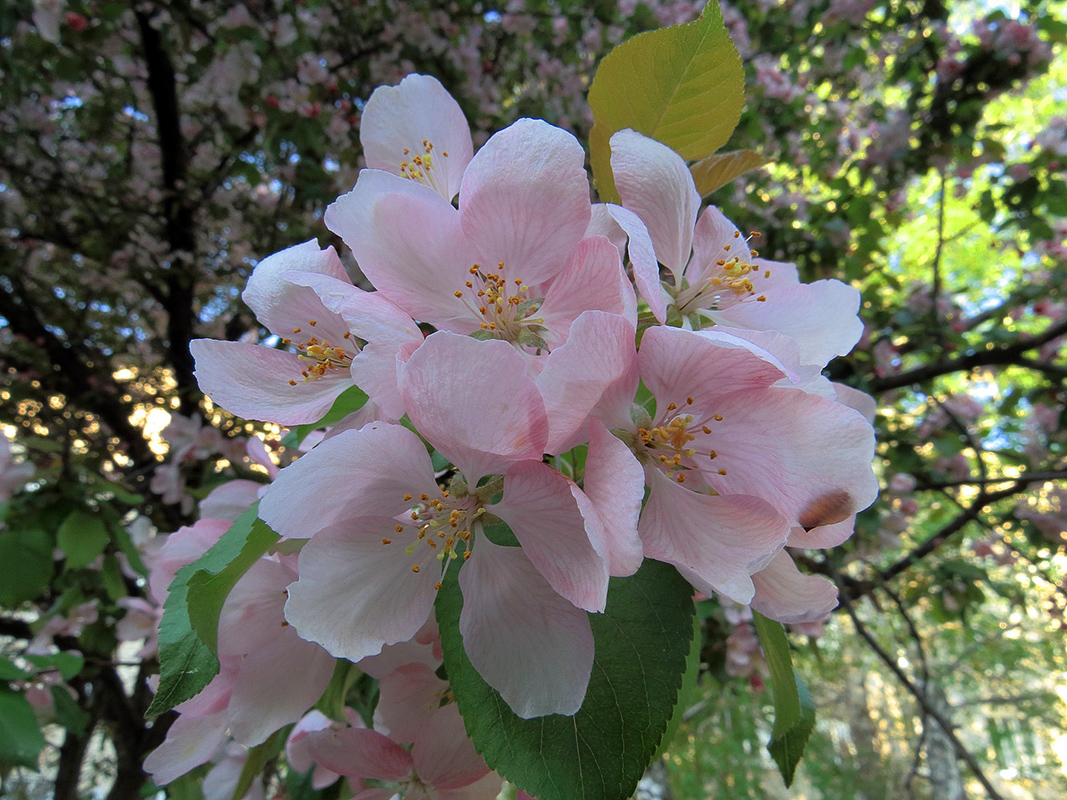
[(601, 223), (713, 230), (595, 372), (400, 122), (854, 398), (474, 403), (356, 594), (296, 746), (677, 364), (559, 530), (190, 742), (414, 651), (258, 706), (525, 200), (360, 753), (615, 484), (486, 788), (231, 499), (409, 697), (823, 536), (182, 547), (409, 243), (787, 595), (256, 382), (643, 260), (278, 303), (539, 662), (807, 456), (820, 316), (366, 472), (592, 280), (654, 182), (444, 757), (716, 542), (252, 616)]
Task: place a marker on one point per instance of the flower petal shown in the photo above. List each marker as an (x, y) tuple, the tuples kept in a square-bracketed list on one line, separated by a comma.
[(356, 594), (409, 243), (540, 663), (365, 472), (404, 121), (408, 697), (444, 757), (256, 382), (716, 542), (615, 484), (654, 182), (643, 261), (473, 401), (786, 594), (278, 303), (594, 373), (559, 530), (525, 200), (359, 753)]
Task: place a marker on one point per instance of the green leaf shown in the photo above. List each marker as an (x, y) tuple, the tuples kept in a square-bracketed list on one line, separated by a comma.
[(82, 537), (218, 571), (601, 752), (257, 759), (349, 401), (719, 169), (67, 664), (10, 672), (683, 86), (25, 565), (21, 739), (186, 661), (688, 693), (794, 713), (68, 714)]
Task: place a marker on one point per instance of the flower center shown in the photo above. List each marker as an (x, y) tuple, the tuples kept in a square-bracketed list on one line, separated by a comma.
[(727, 280), (320, 357), (420, 167), (676, 443), (503, 312), (441, 523)]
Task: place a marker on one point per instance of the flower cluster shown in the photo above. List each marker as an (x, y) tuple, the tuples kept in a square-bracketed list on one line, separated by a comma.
[(527, 442)]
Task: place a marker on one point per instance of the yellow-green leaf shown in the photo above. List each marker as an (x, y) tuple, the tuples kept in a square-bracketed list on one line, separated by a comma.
[(719, 169), (683, 86)]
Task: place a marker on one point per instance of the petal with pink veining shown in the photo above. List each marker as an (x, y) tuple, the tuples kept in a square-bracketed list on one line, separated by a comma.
[(417, 118), (444, 757), (408, 697), (615, 484), (191, 741), (356, 594), (525, 200), (256, 382), (526, 641), (786, 594), (594, 373), (473, 402), (716, 542), (408, 241), (359, 753), (278, 303), (559, 530), (643, 261), (654, 182), (365, 472)]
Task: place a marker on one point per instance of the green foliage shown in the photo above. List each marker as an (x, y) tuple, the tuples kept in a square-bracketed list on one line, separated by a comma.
[(683, 86), (794, 713), (189, 630), (348, 402), (21, 739), (25, 564), (600, 753), (718, 169), (82, 536)]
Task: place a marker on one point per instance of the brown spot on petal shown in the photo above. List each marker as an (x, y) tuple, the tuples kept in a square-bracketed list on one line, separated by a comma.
[(830, 508)]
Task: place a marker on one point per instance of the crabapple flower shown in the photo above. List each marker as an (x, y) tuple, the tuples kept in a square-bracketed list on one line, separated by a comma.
[(341, 336), (384, 534), (734, 462), (716, 277), (510, 263)]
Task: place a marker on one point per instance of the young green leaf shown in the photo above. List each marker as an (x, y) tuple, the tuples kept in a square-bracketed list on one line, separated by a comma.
[(25, 565), (348, 402), (719, 169), (600, 753), (683, 86), (794, 713)]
